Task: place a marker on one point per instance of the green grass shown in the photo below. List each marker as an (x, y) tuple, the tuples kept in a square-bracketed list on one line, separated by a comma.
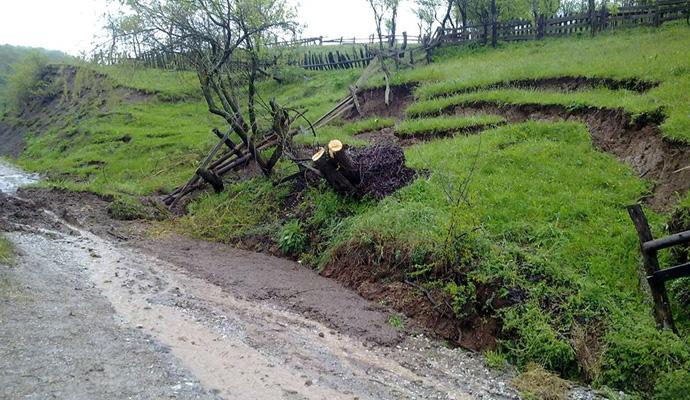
[(168, 134), (6, 251), (168, 84), (543, 220), (434, 126), (644, 53), (631, 102), (542, 203), (346, 132)]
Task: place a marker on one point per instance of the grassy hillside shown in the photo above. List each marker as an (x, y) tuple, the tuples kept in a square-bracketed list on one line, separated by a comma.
[(11, 57), (519, 233)]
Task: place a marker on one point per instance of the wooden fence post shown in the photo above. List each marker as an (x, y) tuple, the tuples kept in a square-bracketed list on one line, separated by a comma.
[(494, 28), (541, 24), (592, 17), (657, 16), (662, 308), (604, 20)]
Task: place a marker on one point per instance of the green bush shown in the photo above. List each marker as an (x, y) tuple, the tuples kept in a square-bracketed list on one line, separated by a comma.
[(25, 80), (292, 239), (127, 209), (635, 359), (674, 385), (537, 341)]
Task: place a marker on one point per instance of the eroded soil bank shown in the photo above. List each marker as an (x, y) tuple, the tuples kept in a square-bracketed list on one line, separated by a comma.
[(208, 320), (635, 140)]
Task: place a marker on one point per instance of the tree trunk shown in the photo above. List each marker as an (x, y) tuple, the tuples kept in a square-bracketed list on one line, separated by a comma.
[(345, 163), (324, 164)]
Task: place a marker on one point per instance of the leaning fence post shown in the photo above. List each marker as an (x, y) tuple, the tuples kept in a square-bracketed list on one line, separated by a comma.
[(662, 308)]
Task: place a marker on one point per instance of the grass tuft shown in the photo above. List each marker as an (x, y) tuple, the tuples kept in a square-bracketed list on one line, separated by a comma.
[(629, 101), (539, 384), (446, 124), (6, 251)]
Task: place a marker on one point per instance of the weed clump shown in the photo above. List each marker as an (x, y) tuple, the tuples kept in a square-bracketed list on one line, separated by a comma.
[(538, 383), (6, 251), (292, 240), (128, 209)]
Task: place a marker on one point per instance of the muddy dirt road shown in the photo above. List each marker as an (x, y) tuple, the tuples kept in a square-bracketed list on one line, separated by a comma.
[(108, 316)]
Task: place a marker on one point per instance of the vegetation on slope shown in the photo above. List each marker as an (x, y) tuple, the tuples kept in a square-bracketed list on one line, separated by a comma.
[(435, 126), (15, 60), (523, 225), (5, 251), (631, 102), (648, 54)]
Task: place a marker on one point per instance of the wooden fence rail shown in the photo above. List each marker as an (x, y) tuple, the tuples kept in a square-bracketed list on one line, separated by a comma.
[(323, 58), (657, 277), (572, 24)]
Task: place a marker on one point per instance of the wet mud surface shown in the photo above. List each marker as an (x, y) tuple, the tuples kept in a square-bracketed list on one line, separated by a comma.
[(119, 314)]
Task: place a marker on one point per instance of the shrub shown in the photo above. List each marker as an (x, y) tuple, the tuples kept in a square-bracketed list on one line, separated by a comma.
[(25, 80), (674, 385), (127, 209), (292, 240), (536, 341), (635, 358)]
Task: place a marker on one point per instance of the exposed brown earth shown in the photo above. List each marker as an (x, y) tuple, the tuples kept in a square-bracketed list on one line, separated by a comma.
[(566, 84), (637, 141), (218, 321)]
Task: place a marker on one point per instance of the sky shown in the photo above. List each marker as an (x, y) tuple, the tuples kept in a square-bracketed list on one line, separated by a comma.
[(71, 25)]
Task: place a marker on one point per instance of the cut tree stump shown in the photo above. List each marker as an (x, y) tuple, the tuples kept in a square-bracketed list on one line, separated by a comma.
[(344, 162), (329, 169)]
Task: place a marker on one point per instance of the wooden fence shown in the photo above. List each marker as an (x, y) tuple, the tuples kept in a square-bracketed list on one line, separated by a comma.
[(657, 277), (361, 54), (344, 40), (572, 24)]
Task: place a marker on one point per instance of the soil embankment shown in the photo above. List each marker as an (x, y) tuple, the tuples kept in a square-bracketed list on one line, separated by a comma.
[(635, 140), (235, 324)]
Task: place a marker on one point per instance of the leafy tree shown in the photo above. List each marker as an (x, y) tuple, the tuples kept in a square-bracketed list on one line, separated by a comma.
[(22, 83), (222, 40), (426, 12), (545, 8), (385, 14)]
